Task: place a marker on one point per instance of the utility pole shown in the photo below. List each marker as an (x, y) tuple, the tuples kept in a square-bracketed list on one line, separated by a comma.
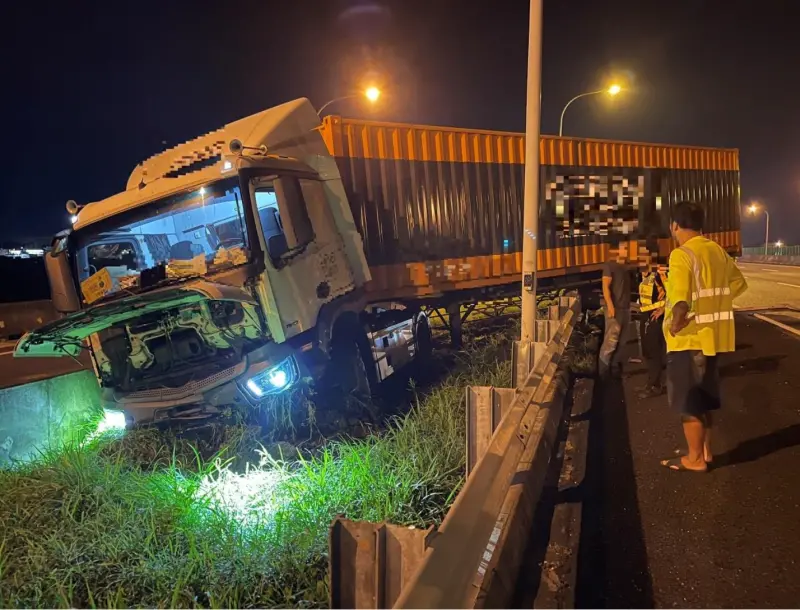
[(530, 216)]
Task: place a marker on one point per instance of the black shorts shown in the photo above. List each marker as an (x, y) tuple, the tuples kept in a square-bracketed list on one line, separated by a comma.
[(692, 382)]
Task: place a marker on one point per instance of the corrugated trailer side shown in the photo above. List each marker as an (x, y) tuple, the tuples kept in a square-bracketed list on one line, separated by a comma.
[(440, 209)]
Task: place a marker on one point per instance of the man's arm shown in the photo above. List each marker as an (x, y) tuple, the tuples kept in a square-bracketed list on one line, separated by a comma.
[(680, 289), (607, 292), (736, 280)]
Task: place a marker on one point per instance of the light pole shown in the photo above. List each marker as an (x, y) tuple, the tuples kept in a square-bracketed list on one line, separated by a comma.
[(753, 209), (371, 93), (612, 91), (530, 214)]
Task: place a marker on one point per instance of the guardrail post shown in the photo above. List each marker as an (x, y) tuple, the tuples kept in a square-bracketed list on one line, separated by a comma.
[(370, 563)]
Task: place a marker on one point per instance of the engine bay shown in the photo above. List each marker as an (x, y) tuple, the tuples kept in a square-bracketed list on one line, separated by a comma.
[(169, 348)]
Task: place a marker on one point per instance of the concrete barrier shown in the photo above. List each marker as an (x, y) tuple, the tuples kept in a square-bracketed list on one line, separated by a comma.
[(18, 318), (43, 414)]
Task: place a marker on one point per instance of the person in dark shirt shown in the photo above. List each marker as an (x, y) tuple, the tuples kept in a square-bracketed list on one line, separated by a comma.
[(617, 295)]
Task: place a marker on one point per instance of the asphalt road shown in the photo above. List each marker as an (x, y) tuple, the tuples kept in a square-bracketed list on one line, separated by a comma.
[(655, 538), (17, 371), (770, 286)]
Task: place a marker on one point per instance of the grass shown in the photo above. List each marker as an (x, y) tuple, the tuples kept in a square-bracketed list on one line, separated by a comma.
[(157, 521)]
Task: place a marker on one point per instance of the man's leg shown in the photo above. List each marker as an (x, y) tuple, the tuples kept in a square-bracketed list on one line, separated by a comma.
[(710, 396), (609, 347), (682, 387), (695, 432), (654, 357), (622, 338), (708, 424)]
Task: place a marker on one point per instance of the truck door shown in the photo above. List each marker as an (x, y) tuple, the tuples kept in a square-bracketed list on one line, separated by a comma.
[(306, 261)]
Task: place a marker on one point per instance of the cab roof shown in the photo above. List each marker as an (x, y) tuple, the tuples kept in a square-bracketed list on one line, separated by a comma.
[(289, 130)]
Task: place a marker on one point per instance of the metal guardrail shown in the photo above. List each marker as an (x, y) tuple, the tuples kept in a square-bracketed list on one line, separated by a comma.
[(773, 251), (771, 259), (469, 544)]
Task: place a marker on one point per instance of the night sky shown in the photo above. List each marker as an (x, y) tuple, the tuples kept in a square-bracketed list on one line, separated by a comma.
[(91, 89)]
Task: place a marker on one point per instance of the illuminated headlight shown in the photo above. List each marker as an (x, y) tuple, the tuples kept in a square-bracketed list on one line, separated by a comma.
[(112, 420), (273, 380)]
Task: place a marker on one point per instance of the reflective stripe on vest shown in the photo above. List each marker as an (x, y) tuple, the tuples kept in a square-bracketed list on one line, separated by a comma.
[(646, 295), (702, 292)]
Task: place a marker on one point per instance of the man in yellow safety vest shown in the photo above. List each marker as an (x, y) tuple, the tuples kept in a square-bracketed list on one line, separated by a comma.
[(698, 325), (652, 298)]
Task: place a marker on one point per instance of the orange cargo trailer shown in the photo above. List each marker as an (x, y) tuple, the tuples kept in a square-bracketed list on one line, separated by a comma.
[(440, 209)]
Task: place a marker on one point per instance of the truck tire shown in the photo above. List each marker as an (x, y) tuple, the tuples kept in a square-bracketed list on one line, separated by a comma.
[(349, 369)]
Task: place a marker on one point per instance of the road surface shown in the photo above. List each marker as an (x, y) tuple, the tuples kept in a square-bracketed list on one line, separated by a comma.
[(16, 371), (770, 286), (728, 538)]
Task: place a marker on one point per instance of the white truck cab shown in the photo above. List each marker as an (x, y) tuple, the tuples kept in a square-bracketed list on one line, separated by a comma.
[(229, 269)]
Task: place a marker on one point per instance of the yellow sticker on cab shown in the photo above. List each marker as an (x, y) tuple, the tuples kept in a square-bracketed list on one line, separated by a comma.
[(96, 286)]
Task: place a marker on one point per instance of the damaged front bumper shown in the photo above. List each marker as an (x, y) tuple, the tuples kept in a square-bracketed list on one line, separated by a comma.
[(266, 372)]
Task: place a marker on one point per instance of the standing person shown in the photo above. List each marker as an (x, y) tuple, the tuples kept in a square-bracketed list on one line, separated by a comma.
[(698, 325), (617, 295), (652, 298)]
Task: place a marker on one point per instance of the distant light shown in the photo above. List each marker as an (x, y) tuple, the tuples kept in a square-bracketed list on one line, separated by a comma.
[(506, 243), (202, 190), (372, 93), (74, 218), (753, 209), (779, 244), (614, 89), (227, 166)]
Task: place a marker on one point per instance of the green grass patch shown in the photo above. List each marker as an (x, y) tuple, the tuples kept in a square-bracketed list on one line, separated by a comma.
[(150, 520)]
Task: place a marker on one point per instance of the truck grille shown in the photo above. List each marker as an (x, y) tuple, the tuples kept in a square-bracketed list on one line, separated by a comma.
[(188, 389)]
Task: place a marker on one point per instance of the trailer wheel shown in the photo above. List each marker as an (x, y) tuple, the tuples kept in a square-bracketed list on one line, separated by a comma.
[(423, 338)]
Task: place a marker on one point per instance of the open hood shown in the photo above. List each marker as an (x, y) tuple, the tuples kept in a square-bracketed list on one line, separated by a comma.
[(65, 337)]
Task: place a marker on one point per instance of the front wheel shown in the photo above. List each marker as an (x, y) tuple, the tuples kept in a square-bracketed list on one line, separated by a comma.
[(351, 370)]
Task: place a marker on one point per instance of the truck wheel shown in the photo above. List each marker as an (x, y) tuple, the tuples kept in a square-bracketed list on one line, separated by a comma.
[(350, 371)]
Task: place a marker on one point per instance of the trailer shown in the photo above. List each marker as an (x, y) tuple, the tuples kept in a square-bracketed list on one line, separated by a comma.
[(280, 250)]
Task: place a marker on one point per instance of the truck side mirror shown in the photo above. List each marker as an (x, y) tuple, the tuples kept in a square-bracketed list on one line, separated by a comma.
[(62, 288), (294, 214)]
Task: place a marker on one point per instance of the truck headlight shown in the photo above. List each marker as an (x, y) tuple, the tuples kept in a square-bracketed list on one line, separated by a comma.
[(273, 380)]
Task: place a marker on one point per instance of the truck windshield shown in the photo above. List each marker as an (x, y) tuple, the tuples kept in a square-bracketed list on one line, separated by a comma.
[(190, 234)]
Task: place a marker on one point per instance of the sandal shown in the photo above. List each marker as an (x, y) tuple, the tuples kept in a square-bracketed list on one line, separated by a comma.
[(681, 452), (676, 464)]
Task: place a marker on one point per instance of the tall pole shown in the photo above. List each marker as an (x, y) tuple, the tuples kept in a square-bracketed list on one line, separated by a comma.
[(530, 215), (766, 237)]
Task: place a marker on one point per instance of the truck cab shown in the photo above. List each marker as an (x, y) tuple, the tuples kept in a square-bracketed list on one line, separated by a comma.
[(220, 276)]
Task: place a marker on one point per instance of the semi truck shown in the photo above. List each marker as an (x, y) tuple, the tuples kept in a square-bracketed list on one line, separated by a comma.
[(284, 249)]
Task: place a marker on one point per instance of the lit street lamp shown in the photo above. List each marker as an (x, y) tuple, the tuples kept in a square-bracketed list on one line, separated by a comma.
[(753, 209), (612, 91), (371, 93)]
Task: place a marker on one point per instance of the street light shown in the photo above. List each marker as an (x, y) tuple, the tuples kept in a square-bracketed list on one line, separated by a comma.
[(371, 93), (753, 209), (612, 91)]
